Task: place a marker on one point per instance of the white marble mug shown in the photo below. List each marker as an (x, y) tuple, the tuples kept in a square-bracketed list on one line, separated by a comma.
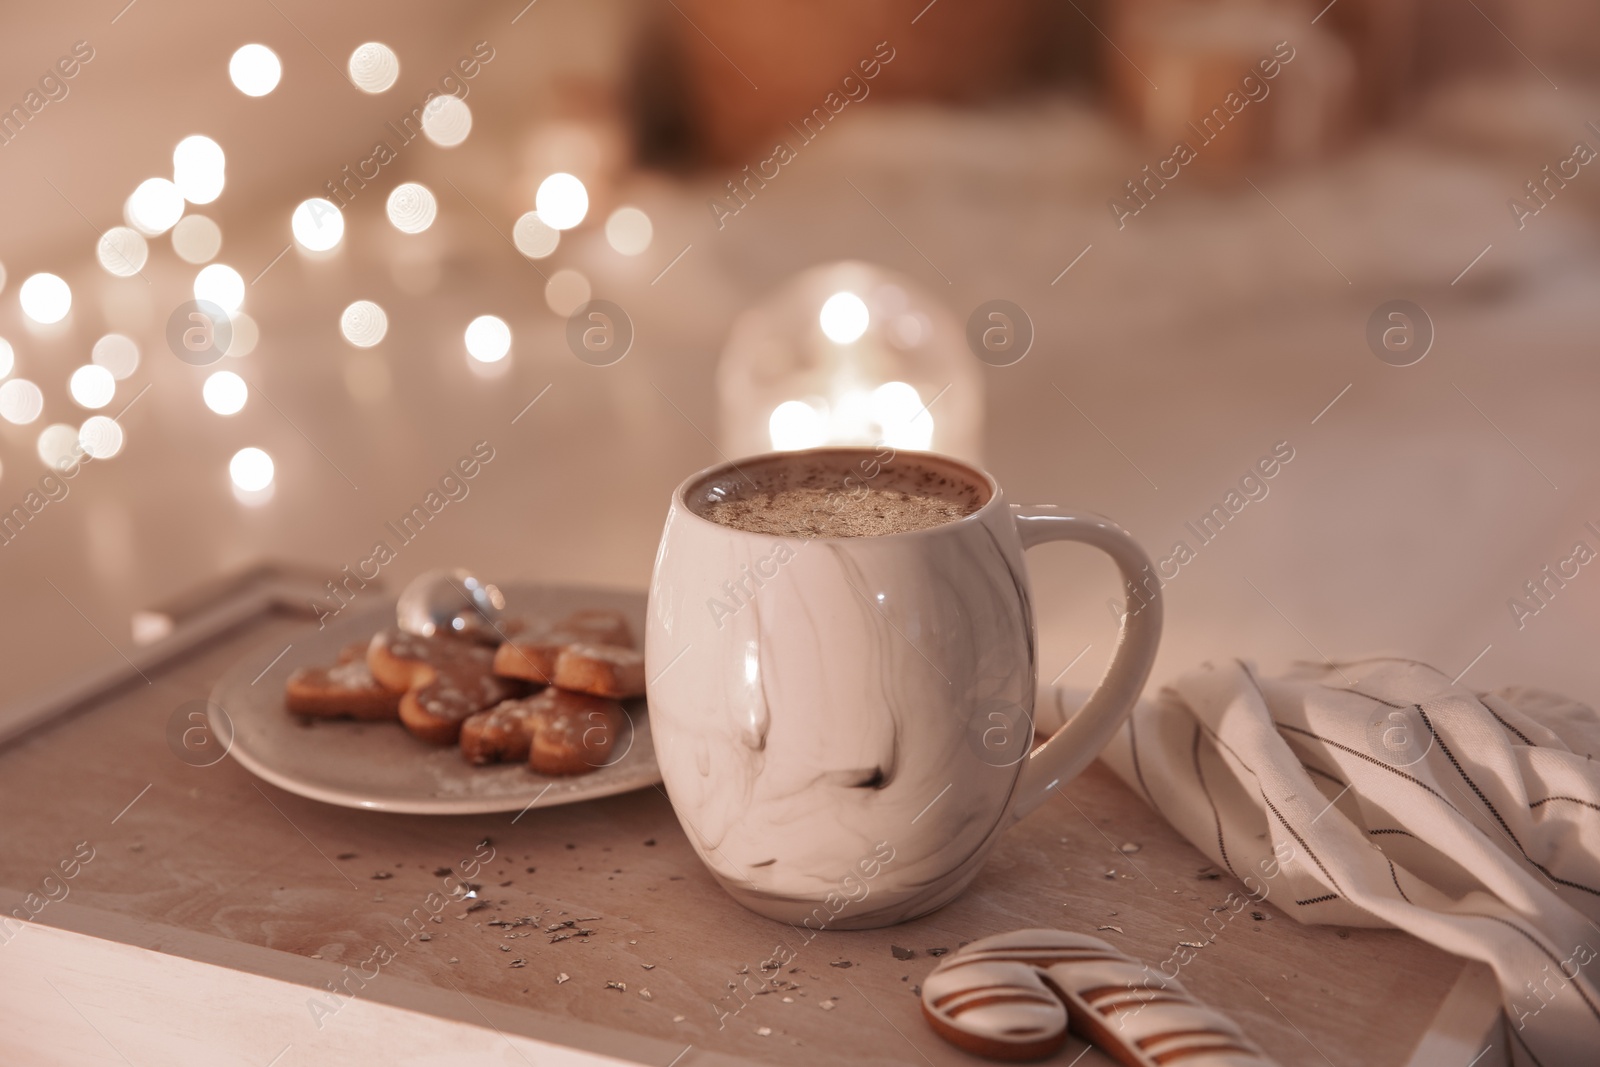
[(844, 724)]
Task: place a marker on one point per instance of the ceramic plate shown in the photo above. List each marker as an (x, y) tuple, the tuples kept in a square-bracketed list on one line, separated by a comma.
[(381, 767)]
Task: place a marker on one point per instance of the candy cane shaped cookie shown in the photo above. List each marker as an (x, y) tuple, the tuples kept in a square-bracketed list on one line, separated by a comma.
[(1014, 996)]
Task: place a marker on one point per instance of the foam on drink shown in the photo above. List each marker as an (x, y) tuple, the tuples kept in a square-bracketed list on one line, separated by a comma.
[(838, 493)]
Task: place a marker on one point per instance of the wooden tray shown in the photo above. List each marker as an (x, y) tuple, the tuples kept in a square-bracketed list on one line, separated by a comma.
[(218, 911)]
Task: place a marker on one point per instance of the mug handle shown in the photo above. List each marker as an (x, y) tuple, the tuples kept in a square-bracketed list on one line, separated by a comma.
[(1077, 743)]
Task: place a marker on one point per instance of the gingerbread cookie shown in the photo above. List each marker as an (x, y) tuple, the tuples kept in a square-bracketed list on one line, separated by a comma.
[(1013, 997), (346, 690), (601, 670), (599, 626), (578, 736), (446, 680), (504, 733), (532, 654), (557, 732)]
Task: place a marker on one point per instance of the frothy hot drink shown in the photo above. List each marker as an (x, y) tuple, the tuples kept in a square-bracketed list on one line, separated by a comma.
[(838, 494)]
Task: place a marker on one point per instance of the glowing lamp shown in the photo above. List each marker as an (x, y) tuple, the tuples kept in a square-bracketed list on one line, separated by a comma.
[(849, 354)]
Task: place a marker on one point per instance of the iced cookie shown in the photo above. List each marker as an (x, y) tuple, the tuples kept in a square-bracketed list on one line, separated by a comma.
[(503, 733), (601, 670), (600, 626), (346, 690), (578, 735), (532, 654), (556, 732), (446, 679), (1014, 996)]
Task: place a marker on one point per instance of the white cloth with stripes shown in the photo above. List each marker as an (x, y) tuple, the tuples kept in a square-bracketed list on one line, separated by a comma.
[(1379, 793)]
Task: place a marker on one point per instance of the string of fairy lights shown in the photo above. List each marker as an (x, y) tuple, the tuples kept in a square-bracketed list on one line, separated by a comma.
[(162, 206)]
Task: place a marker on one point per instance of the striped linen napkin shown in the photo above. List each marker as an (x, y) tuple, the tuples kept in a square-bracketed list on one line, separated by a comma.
[(1379, 793)]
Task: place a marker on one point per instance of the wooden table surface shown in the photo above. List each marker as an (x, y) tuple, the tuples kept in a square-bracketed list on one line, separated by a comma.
[(210, 863)]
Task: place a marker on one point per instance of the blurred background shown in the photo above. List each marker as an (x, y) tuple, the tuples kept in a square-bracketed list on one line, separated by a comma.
[(1117, 251)]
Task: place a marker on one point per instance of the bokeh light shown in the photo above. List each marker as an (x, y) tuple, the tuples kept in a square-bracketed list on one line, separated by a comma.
[(58, 446), (92, 386), (8, 358), (850, 418), (122, 251), (895, 402), (318, 224), (898, 410), (908, 329), (255, 70), (566, 291), (629, 230), (220, 284), (374, 67), (250, 469), (154, 207), (100, 437), (795, 424), (20, 401), (117, 354), (45, 298), (446, 120), (246, 334), (533, 238), (196, 239), (225, 392), (198, 169), (412, 207), (363, 324), (844, 318), (561, 201), (488, 339)]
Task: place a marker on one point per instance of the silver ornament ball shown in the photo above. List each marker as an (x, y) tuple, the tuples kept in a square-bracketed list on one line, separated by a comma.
[(450, 601)]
